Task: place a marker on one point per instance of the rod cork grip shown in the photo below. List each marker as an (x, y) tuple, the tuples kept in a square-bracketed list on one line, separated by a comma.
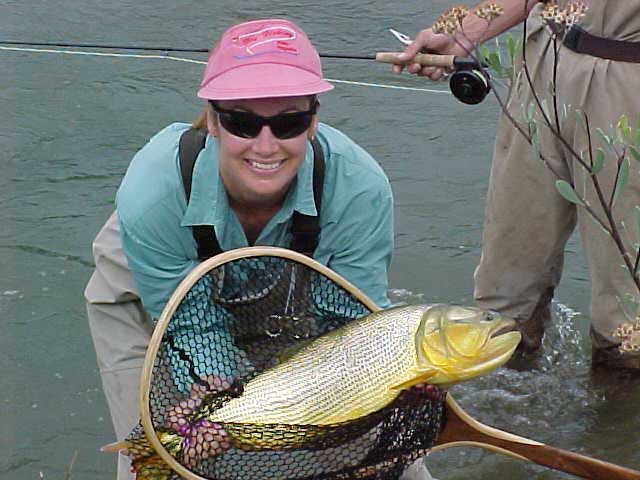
[(426, 59)]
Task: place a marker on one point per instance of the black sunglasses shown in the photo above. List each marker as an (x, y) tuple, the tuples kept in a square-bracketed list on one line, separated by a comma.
[(249, 125)]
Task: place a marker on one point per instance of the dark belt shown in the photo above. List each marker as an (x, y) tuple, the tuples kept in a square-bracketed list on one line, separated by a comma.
[(581, 41)]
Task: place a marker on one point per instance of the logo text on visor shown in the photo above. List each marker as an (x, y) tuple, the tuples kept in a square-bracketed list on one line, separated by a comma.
[(277, 37)]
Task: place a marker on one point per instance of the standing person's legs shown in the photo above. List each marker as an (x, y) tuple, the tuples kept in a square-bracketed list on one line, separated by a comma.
[(527, 222), (120, 329)]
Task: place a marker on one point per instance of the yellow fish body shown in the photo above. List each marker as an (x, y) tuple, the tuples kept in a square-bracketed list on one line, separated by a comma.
[(363, 366)]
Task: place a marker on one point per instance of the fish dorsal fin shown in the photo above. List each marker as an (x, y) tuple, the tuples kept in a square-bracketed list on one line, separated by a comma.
[(289, 352)]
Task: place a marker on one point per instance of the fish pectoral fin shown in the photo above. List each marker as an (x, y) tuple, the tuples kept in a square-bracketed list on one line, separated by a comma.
[(418, 378)]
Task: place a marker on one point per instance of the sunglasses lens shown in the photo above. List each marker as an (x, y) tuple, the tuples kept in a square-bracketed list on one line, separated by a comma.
[(289, 125), (241, 124)]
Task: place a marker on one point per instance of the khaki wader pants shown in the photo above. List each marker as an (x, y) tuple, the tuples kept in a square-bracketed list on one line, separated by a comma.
[(121, 331), (527, 222)]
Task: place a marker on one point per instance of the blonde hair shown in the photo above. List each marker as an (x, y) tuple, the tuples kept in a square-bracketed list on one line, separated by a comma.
[(201, 121)]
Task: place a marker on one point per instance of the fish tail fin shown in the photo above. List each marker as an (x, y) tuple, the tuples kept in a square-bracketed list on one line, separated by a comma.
[(115, 447)]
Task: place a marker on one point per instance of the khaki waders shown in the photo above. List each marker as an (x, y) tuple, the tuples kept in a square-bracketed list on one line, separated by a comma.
[(527, 222)]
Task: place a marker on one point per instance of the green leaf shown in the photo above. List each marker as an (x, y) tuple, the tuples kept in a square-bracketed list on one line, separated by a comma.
[(494, 61), (623, 122), (598, 161), (535, 142), (636, 211), (530, 111), (511, 46), (533, 130), (606, 138), (635, 152), (545, 107), (623, 129), (567, 191), (483, 50), (498, 49), (580, 119), (623, 178)]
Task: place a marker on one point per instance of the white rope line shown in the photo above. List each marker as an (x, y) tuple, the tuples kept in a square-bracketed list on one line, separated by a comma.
[(189, 60), (102, 54), (395, 87)]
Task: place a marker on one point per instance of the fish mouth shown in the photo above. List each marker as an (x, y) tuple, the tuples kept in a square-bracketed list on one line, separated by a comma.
[(503, 325), (502, 340)]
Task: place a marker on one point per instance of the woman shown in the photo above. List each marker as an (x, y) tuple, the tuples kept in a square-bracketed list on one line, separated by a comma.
[(254, 172)]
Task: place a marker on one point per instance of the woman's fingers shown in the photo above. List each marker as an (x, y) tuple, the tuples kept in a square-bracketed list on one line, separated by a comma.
[(211, 383), (205, 439)]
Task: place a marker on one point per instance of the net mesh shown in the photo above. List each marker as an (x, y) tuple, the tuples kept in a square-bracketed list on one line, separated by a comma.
[(237, 321)]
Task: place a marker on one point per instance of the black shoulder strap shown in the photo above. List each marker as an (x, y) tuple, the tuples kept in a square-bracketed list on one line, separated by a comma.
[(191, 143), (305, 229)]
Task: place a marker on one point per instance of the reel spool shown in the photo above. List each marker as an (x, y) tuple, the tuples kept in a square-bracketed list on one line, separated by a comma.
[(469, 82)]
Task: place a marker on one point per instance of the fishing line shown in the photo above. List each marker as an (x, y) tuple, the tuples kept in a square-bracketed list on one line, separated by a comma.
[(101, 54), (24, 48)]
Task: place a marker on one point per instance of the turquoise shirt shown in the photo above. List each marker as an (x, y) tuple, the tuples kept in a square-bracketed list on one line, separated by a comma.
[(356, 218)]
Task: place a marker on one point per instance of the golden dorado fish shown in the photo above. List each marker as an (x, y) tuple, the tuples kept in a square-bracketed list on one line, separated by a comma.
[(363, 366), (336, 379)]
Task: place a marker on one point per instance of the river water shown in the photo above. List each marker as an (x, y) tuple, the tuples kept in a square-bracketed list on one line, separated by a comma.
[(70, 125)]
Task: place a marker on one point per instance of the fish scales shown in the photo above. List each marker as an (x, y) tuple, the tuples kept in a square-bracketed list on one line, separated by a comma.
[(341, 376)]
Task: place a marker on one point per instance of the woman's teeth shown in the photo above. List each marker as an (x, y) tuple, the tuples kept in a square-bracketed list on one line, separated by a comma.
[(265, 166)]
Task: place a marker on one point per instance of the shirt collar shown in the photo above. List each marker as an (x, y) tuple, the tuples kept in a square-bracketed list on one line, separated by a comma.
[(300, 196), (209, 205)]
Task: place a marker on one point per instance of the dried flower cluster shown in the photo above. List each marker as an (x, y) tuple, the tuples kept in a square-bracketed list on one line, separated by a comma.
[(565, 17), (451, 20), (629, 335), (489, 12)]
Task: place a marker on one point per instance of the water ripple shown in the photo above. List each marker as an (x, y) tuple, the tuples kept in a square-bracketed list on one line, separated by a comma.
[(49, 253)]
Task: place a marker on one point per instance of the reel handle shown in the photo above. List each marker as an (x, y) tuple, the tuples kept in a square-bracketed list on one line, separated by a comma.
[(430, 59)]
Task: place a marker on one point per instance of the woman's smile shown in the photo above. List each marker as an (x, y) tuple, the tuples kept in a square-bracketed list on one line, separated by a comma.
[(264, 166)]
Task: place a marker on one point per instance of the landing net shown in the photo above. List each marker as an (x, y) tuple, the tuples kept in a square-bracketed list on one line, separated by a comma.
[(233, 318)]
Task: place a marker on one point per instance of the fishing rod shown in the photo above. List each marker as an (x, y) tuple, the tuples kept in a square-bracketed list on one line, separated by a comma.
[(350, 56), (469, 81)]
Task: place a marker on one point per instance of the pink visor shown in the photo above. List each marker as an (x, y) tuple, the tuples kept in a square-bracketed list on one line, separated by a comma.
[(263, 59)]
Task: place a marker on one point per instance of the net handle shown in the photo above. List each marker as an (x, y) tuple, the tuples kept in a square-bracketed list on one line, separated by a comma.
[(172, 305)]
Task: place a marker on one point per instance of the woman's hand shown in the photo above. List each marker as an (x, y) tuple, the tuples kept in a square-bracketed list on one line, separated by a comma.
[(202, 438)]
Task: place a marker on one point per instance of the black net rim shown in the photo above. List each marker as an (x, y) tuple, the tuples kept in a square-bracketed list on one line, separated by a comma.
[(172, 305)]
